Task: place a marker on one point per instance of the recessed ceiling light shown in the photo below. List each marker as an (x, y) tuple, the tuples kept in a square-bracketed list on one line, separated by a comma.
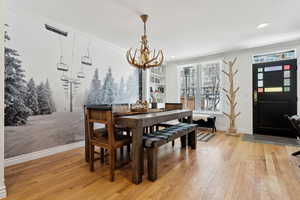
[(172, 56), (264, 25)]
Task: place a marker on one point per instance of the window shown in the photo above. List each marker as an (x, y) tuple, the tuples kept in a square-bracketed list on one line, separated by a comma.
[(200, 86), (284, 55), (188, 86)]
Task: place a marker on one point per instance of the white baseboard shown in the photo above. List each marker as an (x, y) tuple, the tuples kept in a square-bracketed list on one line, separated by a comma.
[(2, 192), (239, 130), (39, 154)]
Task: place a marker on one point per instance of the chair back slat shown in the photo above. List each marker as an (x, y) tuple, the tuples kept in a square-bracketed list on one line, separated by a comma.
[(173, 106), (97, 115), (120, 108)]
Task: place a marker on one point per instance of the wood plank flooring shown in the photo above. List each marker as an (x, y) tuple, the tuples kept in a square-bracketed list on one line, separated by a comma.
[(223, 168)]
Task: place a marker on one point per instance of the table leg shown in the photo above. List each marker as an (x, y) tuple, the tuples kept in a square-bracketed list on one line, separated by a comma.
[(137, 150), (192, 140), (183, 141)]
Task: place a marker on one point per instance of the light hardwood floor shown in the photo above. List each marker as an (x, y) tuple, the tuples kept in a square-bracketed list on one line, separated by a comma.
[(223, 168)]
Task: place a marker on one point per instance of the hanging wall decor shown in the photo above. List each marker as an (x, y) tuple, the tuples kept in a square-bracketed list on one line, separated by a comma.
[(87, 60), (80, 74), (231, 97), (61, 65)]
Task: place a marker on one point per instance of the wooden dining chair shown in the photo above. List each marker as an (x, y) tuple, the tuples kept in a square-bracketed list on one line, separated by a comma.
[(173, 106), (99, 130), (108, 138), (122, 108)]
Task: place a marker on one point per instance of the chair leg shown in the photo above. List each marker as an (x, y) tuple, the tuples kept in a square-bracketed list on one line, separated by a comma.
[(102, 155), (152, 163), (92, 153), (121, 151), (128, 148), (151, 129), (112, 164), (173, 143), (296, 153), (128, 145), (157, 128)]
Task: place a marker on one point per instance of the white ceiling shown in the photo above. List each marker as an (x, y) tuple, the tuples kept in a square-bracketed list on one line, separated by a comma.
[(182, 28)]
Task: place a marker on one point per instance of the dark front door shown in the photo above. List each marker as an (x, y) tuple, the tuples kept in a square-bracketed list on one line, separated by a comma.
[(274, 95)]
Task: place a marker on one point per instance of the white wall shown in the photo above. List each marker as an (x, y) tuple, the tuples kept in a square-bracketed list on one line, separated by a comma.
[(2, 184), (243, 79)]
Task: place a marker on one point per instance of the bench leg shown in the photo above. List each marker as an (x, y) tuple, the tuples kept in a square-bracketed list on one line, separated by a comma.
[(152, 163), (183, 141), (192, 139), (214, 129)]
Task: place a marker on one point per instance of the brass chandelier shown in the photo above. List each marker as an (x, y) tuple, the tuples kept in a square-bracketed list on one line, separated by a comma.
[(143, 58)]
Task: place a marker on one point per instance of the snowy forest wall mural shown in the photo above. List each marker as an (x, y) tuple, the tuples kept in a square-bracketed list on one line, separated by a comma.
[(51, 71)]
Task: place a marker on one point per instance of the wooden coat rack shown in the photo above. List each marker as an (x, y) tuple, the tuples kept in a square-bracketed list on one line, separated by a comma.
[(231, 96)]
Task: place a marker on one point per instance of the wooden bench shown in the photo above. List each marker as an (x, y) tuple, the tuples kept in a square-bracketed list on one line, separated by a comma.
[(206, 121), (154, 140)]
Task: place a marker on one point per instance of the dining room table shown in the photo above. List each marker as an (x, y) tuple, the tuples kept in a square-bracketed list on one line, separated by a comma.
[(136, 122)]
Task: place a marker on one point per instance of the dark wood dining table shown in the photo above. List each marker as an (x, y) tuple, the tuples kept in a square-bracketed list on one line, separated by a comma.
[(136, 123)]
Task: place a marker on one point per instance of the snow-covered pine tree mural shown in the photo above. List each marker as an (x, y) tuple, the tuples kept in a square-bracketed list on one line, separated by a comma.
[(132, 87), (121, 92), (111, 91), (95, 92), (43, 101), (16, 111), (49, 97), (44, 97), (108, 88), (32, 98), (47, 83)]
